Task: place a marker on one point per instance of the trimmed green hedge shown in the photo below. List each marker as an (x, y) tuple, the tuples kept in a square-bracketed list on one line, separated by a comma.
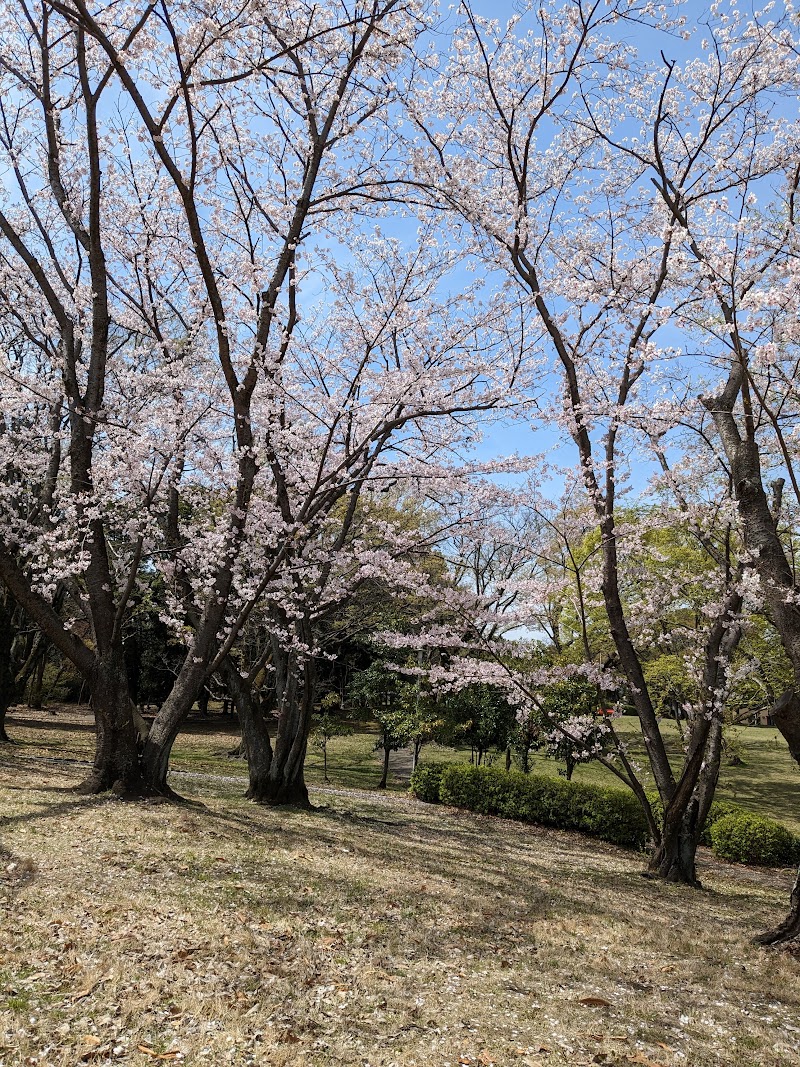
[(425, 781), (744, 837), (610, 814)]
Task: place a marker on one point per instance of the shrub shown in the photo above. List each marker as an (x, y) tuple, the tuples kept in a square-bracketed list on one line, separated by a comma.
[(460, 786), (718, 810), (744, 837), (610, 814), (425, 781)]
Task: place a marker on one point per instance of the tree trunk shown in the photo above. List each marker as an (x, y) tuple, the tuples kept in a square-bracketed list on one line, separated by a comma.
[(116, 761), (295, 684), (256, 744), (674, 858), (385, 775), (789, 929), (786, 715), (417, 748), (7, 681), (36, 685), (166, 725)]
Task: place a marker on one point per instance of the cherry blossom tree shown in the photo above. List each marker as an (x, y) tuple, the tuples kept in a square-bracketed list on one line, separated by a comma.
[(729, 182), (183, 185), (509, 138)]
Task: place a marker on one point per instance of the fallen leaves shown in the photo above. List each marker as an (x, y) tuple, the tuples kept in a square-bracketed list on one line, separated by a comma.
[(151, 1052), (89, 989), (642, 1060)]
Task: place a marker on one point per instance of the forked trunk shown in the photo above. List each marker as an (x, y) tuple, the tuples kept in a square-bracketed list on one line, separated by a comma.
[(256, 745), (674, 858), (116, 760), (284, 784)]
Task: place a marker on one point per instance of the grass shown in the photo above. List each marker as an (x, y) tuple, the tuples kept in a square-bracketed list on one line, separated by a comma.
[(376, 932), (768, 782)]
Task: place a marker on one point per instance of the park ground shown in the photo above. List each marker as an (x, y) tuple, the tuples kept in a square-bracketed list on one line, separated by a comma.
[(374, 930)]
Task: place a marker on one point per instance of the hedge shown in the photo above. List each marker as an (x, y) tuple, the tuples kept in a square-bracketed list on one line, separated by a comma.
[(610, 814), (744, 837), (425, 781)]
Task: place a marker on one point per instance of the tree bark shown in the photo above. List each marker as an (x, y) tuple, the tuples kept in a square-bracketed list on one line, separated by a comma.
[(255, 733), (686, 811), (35, 700), (762, 539), (786, 715), (284, 784), (166, 726), (674, 859), (116, 762), (385, 775), (7, 680), (789, 929)]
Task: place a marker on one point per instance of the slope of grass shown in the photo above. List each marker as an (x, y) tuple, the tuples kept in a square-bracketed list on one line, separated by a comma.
[(375, 932)]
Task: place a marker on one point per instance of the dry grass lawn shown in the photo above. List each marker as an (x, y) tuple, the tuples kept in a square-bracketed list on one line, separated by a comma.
[(375, 931)]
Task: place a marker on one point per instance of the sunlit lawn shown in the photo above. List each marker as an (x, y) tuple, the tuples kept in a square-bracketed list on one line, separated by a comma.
[(768, 782)]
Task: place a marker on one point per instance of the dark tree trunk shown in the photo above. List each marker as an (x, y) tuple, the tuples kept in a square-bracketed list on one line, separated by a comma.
[(417, 748), (7, 681), (255, 734), (385, 775), (116, 761), (786, 716), (508, 758), (674, 858), (687, 809), (295, 684), (789, 929), (35, 700), (762, 539)]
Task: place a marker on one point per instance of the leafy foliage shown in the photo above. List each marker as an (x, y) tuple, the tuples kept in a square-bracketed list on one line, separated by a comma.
[(610, 814), (744, 837)]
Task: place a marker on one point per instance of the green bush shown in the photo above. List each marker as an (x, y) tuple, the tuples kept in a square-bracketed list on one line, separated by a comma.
[(610, 814), (747, 838), (719, 810), (425, 781)]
